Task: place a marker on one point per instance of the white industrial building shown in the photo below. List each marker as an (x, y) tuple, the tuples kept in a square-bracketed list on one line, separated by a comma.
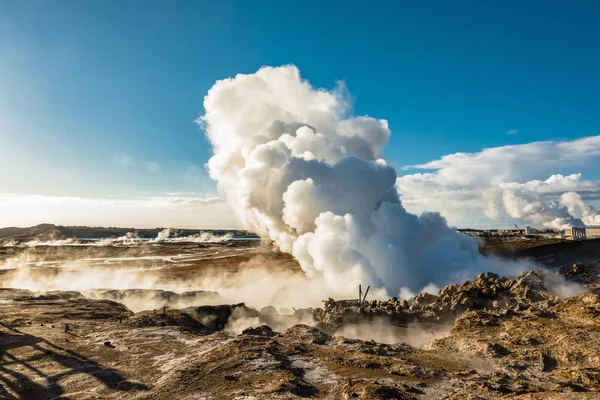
[(588, 232)]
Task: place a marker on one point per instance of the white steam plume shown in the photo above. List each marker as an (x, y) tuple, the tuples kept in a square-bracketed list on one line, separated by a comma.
[(575, 204), (128, 239), (300, 171), (517, 182), (550, 213), (169, 235), (163, 235)]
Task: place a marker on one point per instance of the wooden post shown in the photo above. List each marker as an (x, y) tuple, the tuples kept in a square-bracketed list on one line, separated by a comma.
[(164, 310), (359, 295), (363, 300)]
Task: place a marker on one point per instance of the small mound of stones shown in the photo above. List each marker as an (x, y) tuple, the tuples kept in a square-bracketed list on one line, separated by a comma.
[(489, 291)]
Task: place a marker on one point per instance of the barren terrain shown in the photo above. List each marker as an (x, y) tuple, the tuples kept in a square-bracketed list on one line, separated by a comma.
[(532, 336)]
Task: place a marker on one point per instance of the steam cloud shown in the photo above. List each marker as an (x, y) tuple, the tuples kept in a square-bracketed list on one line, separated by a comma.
[(167, 235), (505, 182), (299, 170), (170, 235), (575, 204), (543, 204)]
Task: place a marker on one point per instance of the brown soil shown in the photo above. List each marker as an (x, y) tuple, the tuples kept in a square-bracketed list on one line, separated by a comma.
[(531, 345)]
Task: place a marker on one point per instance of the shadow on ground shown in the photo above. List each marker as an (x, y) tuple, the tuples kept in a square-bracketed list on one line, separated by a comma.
[(20, 379)]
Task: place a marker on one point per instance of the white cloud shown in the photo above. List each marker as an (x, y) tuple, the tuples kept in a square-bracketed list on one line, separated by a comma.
[(139, 212), (517, 182), (512, 132)]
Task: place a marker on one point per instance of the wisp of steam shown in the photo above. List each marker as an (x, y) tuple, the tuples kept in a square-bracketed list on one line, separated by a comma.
[(303, 172)]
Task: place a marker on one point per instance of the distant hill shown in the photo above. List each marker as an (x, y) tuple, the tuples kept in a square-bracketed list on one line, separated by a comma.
[(55, 232)]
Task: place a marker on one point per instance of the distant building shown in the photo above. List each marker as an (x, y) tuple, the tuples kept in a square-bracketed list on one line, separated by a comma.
[(528, 230), (583, 233)]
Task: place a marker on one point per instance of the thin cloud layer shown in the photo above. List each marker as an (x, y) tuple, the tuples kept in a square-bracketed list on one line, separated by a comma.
[(517, 182), (142, 212)]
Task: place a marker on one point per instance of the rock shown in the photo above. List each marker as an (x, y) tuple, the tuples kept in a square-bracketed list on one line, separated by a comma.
[(492, 276), (547, 363), (425, 298), (466, 302), (496, 350), (216, 317), (262, 330), (449, 290), (368, 389), (414, 308), (307, 334)]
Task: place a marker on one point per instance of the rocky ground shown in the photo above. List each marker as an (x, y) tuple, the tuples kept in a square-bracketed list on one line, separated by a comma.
[(494, 337)]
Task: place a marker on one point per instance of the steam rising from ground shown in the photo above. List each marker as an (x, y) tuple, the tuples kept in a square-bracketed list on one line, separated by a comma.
[(299, 170), (168, 235), (130, 238), (416, 335), (574, 203), (536, 202), (304, 174), (258, 282)]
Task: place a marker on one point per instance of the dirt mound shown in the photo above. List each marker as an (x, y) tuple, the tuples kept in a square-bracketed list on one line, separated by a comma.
[(170, 318), (307, 334), (62, 307), (263, 330), (367, 390), (217, 317), (526, 345), (57, 295), (583, 309)]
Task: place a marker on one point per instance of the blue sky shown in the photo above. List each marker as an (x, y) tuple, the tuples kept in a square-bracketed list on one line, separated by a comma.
[(99, 98)]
